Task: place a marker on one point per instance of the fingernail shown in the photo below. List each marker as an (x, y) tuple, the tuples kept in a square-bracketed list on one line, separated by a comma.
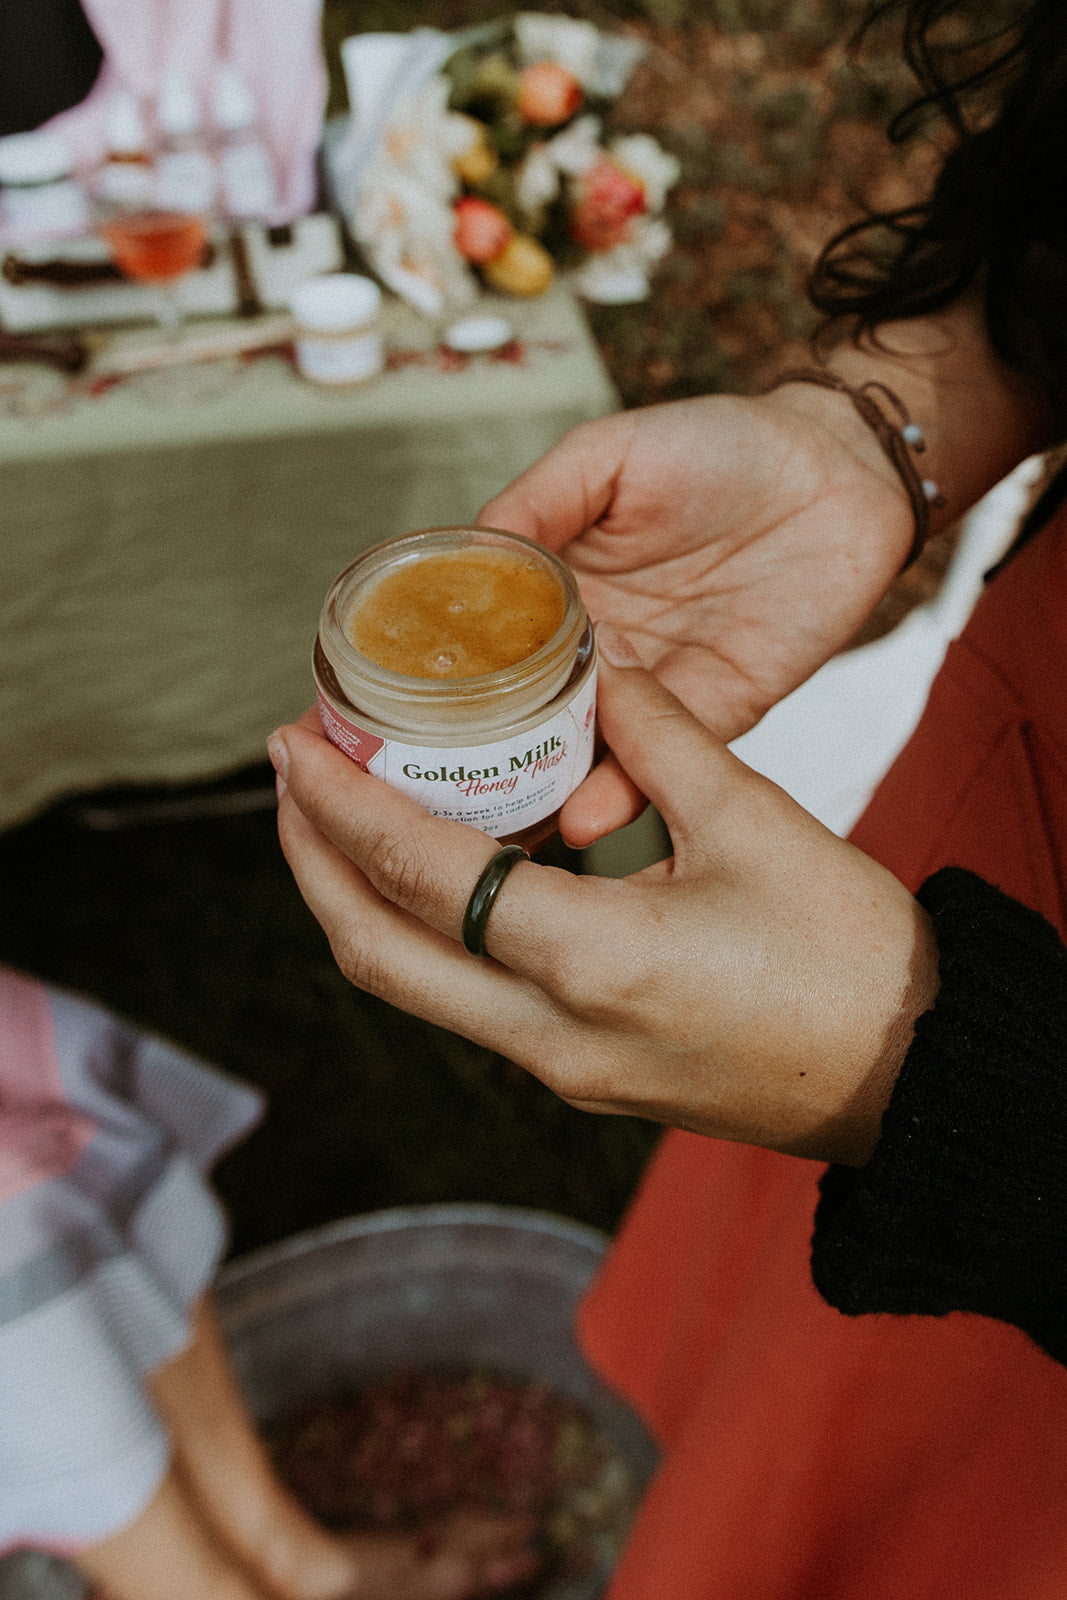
[(278, 752), (615, 646)]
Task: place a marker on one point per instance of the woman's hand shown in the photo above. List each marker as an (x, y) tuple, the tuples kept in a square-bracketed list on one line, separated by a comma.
[(738, 544), (762, 985)]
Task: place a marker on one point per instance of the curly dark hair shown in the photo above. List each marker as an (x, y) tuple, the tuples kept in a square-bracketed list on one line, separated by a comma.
[(994, 76)]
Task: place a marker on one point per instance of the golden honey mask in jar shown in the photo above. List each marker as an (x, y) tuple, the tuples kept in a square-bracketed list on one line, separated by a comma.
[(458, 665)]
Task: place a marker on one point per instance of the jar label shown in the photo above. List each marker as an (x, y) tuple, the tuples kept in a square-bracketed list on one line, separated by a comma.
[(501, 787)]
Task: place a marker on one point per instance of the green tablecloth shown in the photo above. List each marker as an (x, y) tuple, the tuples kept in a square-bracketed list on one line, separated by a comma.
[(163, 563)]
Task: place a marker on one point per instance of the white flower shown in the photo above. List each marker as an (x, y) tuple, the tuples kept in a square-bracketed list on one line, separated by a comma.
[(612, 277), (402, 211), (567, 41), (602, 62), (616, 59), (653, 167), (537, 180), (570, 154), (424, 137), (460, 134), (577, 148), (620, 276), (651, 238), (405, 229)]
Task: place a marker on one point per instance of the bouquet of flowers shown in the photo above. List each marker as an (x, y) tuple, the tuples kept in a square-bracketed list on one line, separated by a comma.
[(481, 159)]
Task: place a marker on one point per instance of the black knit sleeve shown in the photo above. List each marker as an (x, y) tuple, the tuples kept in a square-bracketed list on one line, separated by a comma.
[(963, 1205)]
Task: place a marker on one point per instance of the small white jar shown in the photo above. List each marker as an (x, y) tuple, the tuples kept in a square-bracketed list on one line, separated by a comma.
[(39, 198), (501, 750), (338, 340)]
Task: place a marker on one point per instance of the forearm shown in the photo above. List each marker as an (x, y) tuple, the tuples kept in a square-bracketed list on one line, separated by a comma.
[(979, 417), (963, 1204)]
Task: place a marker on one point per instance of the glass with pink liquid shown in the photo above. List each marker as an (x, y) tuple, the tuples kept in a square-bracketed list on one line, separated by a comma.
[(157, 248)]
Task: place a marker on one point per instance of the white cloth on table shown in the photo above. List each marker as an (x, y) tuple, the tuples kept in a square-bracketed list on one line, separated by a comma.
[(108, 1235)]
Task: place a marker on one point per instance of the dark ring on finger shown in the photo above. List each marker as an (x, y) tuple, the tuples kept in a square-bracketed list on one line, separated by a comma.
[(485, 891)]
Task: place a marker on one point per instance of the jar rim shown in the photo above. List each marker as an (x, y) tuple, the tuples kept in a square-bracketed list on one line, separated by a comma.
[(442, 689)]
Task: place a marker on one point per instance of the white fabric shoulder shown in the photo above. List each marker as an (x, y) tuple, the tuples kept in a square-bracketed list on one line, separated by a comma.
[(830, 742)]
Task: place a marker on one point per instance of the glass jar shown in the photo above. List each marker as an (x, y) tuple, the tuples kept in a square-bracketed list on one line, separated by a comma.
[(501, 749), (338, 340)]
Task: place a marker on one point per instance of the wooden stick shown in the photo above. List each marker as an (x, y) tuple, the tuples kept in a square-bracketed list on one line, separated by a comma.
[(118, 357)]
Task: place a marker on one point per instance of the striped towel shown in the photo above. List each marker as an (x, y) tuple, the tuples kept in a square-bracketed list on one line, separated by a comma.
[(108, 1235)]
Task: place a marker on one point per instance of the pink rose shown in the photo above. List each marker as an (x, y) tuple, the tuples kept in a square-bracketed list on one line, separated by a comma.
[(548, 94), (609, 198), (481, 231)]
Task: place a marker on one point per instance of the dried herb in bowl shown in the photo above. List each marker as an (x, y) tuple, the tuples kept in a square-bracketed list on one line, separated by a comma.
[(407, 1451)]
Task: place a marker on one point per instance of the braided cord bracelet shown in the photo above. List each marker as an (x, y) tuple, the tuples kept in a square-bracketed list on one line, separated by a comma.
[(897, 439)]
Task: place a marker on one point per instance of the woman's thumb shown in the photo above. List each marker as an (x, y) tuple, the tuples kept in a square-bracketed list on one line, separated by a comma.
[(672, 757)]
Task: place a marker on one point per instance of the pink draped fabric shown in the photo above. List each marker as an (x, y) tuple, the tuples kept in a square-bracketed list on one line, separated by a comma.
[(108, 1235), (274, 45), (40, 1136)]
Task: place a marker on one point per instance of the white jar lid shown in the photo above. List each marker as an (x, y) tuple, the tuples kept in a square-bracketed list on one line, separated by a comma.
[(30, 158), (335, 302), (474, 335)]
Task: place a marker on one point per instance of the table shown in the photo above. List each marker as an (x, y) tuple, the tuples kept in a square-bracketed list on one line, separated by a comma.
[(163, 563)]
